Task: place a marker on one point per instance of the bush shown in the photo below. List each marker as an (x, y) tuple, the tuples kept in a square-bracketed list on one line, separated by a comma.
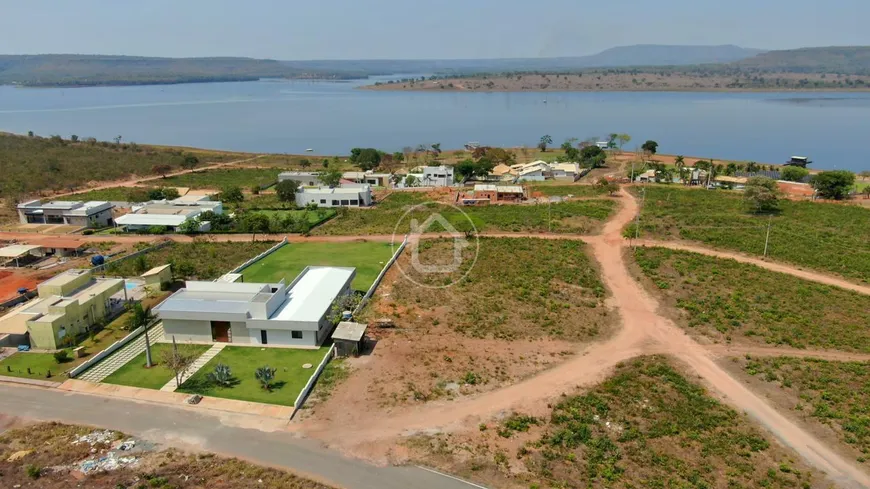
[(61, 356), (32, 471)]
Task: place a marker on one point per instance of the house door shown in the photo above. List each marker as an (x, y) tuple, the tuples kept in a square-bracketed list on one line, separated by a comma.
[(264, 339), (220, 331)]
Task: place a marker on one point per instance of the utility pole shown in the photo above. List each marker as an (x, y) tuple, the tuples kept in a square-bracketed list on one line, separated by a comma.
[(767, 238), (148, 363)]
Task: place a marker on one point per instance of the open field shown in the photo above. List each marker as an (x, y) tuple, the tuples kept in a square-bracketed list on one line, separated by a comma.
[(826, 237), (134, 373), (33, 164), (647, 425), (561, 190), (116, 194), (830, 397), (391, 215), (200, 260), (243, 361), (727, 301), (313, 217), (367, 257), (224, 177), (50, 445), (635, 80)]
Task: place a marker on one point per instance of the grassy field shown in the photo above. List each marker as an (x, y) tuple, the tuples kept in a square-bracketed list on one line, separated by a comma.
[(649, 426), (243, 361), (220, 178), (828, 237), (832, 394), (32, 164), (49, 445), (134, 373), (563, 190), (117, 194), (730, 301), (314, 217), (518, 288), (367, 257), (200, 260), (40, 365), (566, 217)]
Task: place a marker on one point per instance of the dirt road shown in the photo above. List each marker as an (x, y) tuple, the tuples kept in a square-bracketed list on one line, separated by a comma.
[(643, 331)]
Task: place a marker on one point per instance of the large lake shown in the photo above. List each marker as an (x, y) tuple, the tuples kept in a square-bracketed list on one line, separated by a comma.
[(291, 116)]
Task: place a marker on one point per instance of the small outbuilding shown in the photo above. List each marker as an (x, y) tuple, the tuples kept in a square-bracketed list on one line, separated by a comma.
[(157, 276), (349, 338)]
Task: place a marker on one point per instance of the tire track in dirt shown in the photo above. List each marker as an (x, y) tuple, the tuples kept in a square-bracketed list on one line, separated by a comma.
[(724, 351)]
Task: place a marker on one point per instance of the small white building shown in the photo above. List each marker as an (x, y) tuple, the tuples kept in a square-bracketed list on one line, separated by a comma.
[(168, 214), (303, 178), (536, 171), (70, 212), (437, 176), (353, 195), (567, 171), (259, 314), (368, 177)]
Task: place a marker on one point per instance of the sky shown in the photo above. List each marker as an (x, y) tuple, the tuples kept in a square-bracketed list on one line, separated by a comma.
[(414, 29)]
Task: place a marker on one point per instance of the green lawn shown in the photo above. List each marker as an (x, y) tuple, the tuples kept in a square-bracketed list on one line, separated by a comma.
[(134, 373), (829, 237), (243, 361), (39, 363), (368, 257)]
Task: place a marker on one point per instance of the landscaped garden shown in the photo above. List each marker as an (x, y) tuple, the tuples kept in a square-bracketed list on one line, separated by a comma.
[(829, 237), (201, 260), (243, 385), (730, 301), (368, 257), (135, 374)]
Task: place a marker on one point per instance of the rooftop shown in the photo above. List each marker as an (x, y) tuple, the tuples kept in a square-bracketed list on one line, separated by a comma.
[(151, 220), (66, 277), (337, 190), (349, 331), (14, 251), (155, 270), (504, 189), (313, 293)]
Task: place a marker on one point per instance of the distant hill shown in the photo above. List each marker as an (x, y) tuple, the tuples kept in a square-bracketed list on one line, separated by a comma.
[(837, 59), (662, 55)]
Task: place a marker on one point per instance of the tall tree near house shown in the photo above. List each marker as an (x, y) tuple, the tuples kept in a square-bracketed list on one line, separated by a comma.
[(650, 147), (794, 173), (331, 177), (834, 184), (436, 149), (731, 169), (623, 139), (365, 158), (545, 141), (286, 190), (142, 317), (866, 192), (232, 194), (680, 162), (161, 170), (761, 195), (571, 153)]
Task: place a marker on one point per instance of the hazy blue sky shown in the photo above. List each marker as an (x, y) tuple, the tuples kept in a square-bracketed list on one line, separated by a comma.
[(355, 29)]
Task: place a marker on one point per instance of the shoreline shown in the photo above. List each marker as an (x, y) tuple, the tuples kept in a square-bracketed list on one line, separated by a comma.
[(390, 88)]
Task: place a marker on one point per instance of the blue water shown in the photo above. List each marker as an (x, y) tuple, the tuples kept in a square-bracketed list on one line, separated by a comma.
[(332, 117)]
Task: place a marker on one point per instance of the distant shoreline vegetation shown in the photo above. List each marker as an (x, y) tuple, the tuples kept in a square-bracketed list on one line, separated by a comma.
[(168, 81)]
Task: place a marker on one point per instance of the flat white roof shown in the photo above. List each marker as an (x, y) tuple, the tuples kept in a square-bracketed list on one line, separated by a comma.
[(338, 190), (313, 293), (14, 251), (151, 220), (155, 270)]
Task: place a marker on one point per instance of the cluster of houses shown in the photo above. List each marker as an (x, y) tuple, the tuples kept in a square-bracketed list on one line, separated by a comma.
[(537, 171)]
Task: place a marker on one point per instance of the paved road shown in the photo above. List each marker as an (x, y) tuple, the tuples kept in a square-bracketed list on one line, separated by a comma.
[(186, 429)]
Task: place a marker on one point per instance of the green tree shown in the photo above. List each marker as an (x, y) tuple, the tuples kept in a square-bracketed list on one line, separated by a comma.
[(265, 375), (232, 194), (752, 167), (545, 141), (623, 139), (286, 190), (189, 161), (866, 192), (608, 186), (365, 158), (139, 316), (761, 195), (834, 184), (254, 222), (793, 173), (190, 226), (412, 181), (650, 147), (398, 157), (140, 264), (161, 170), (592, 156), (74, 138), (330, 177), (571, 153), (304, 163)]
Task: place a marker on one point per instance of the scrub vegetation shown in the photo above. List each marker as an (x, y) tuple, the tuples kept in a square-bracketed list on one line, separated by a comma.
[(200, 260)]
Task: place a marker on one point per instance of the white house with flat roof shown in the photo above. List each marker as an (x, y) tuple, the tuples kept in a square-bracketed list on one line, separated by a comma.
[(259, 314), (168, 213), (357, 195), (437, 176), (70, 212)]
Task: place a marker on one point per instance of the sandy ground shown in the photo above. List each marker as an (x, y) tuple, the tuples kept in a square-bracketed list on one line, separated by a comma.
[(379, 434)]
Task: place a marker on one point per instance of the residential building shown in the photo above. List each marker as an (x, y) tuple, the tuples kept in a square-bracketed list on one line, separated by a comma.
[(368, 178), (169, 214), (68, 306), (801, 161), (303, 178), (260, 314), (568, 171), (358, 195), (156, 277), (536, 171), (69, 212), (496, 193), (437, 176)]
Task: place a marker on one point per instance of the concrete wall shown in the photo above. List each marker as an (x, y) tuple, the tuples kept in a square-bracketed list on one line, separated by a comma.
[(283, 338), (186, 330), (362, 199)]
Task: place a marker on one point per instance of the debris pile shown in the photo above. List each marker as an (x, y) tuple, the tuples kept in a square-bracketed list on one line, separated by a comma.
[(106, 463), (99, 437)]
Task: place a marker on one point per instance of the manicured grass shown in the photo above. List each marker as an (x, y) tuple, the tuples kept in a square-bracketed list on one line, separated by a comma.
[(829, 237), (220, 178), (517, 288), (368, 257), (726, 300), (390, 216), (198, 260), (40, 364), (134, 373), (649, 426), (835, 394), (243, 361)]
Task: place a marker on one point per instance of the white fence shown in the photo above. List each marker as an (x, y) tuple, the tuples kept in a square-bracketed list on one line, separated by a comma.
[(259, 257), (303, 395), (380, 277)]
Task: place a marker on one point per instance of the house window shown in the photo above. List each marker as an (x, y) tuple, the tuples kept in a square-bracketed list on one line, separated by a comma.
[(334, 202), (354, 202), (344, 202), (263, 337), (296, 335), (322, 201)]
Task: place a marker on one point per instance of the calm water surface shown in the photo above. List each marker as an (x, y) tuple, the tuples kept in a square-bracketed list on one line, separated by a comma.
[(291, 116)]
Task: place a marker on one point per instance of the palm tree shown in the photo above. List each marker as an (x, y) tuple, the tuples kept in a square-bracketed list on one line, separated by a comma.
[(680, 162), (731, 169), (752, 167)]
